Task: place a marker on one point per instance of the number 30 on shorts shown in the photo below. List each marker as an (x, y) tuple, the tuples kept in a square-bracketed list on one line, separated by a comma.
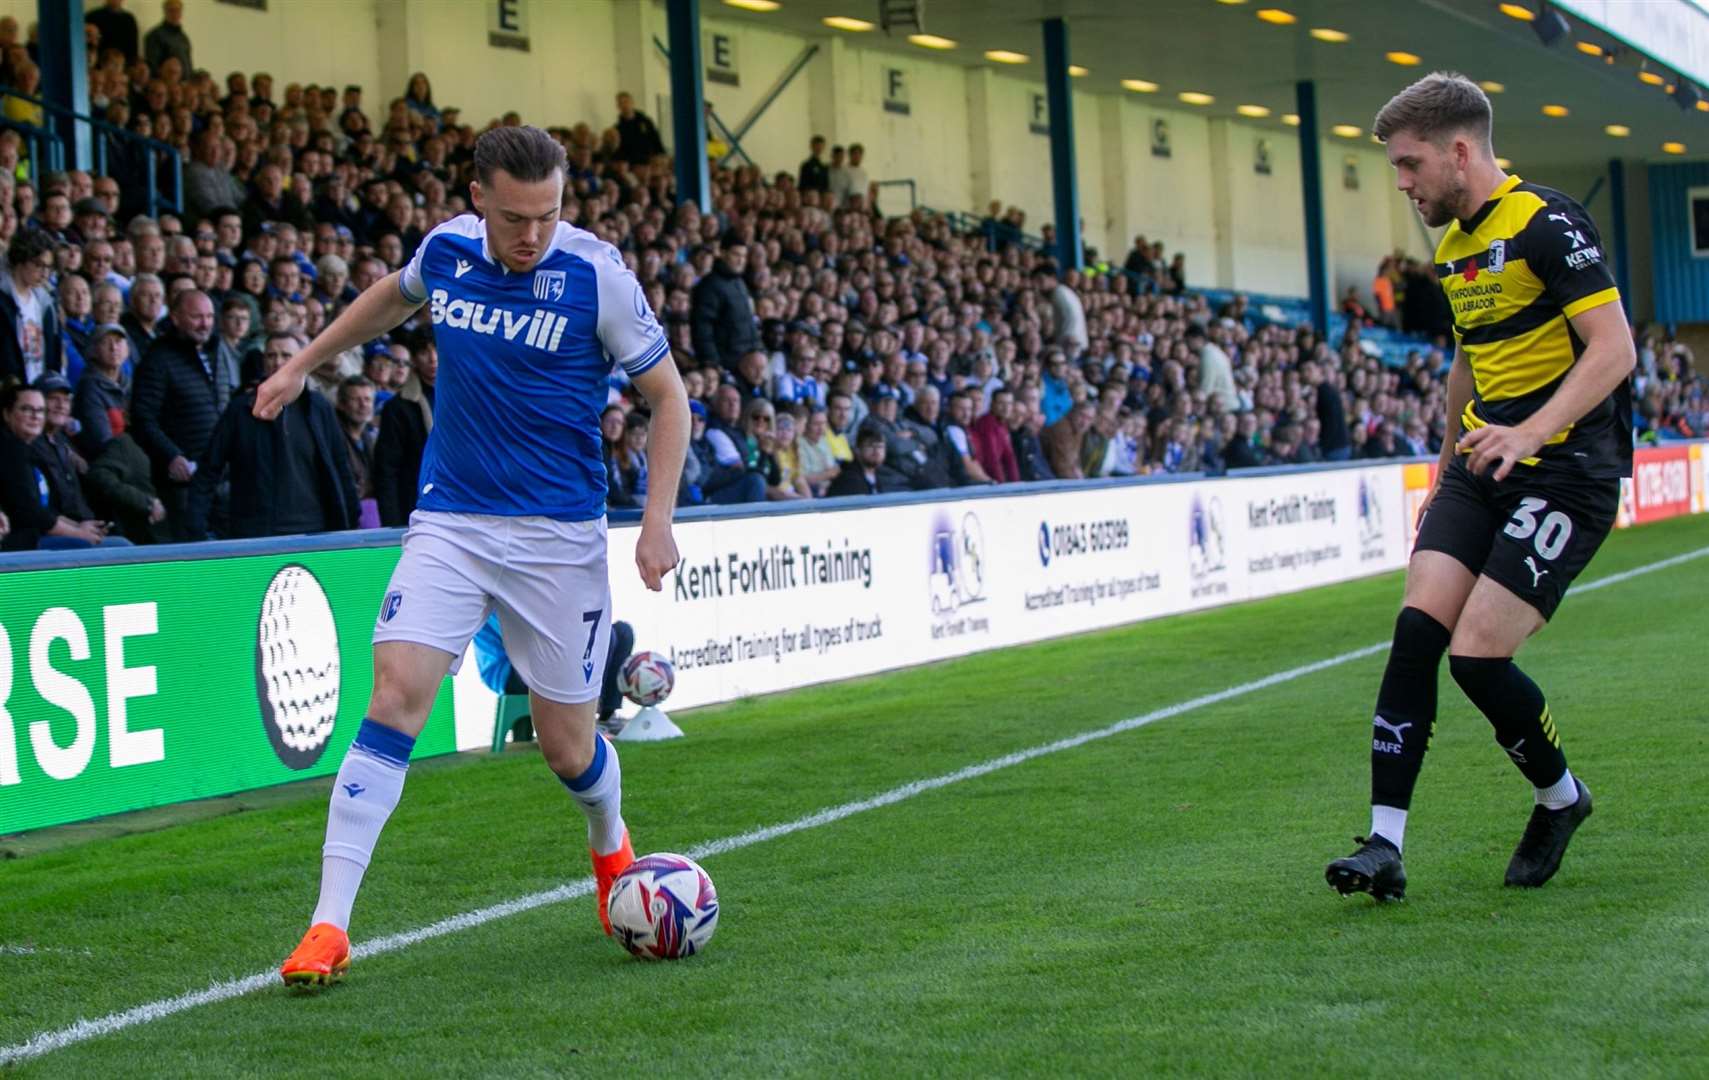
[(1551, 533)]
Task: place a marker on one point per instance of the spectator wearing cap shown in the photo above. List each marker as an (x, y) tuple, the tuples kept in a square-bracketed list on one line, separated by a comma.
[(173, 404), (377, 368), (30, 339), (290, 475), (723, 312), (99, 404), (720, 475), (405, 423), (53, 452), (90, 222), (903, 454)]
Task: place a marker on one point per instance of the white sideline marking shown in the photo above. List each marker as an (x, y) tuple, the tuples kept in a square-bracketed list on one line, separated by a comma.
[(83, 1030)]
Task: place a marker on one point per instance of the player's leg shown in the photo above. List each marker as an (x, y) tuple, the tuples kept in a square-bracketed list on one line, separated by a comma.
[(554, 608), (433, 606), (1553, 529), (1453, 540)]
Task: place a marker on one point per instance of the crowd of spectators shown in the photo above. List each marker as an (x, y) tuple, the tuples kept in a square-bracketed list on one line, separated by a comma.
[(827, 349)]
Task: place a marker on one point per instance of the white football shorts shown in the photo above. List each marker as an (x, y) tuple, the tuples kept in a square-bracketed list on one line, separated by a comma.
[(546, 578)]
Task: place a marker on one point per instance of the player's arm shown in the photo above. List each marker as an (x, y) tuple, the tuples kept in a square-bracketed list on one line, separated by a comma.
[(633, 337), (380, 308), (667, 446), (1461, 385), (1564, 250)]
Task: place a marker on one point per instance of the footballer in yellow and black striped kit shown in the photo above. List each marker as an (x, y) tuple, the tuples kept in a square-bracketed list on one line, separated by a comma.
[(1539, 433)]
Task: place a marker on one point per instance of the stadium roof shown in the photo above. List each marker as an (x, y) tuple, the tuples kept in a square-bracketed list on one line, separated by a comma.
[(1230, 51)]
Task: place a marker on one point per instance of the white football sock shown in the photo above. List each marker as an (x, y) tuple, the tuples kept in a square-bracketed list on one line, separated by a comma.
[(599, 792), (1559, 795), (1390, 824), (367, 789)]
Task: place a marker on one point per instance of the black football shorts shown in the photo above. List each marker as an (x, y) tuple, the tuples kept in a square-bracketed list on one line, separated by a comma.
[(1533, 533)]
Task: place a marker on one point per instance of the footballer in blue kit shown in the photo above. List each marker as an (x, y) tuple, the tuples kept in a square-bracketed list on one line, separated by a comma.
[(529, 316)]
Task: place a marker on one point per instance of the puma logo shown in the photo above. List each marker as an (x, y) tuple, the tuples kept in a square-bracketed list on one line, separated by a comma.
[(463, 267), (1536, 574), (1392, 729), (1562, 218)]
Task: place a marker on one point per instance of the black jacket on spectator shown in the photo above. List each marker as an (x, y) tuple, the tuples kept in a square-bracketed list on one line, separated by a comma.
[(404, 425), (723, 318), (26, 497), (120, 490), (142, 337), (92, 407), (53, 456), (118, 29), (12, 353), (1029, 456), (851, 480), (1241, 454), (253, 450), (1331, 419), (815, 176), (172, 401), (638, 139), (289, 208)]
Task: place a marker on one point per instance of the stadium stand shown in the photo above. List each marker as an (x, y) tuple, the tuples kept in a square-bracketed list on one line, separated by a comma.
[(799, 313)]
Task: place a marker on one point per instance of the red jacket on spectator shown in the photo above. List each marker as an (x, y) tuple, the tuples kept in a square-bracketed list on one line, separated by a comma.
[(993, 450)]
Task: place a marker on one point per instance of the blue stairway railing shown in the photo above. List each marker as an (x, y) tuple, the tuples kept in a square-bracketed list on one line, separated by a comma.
[(47, 150)]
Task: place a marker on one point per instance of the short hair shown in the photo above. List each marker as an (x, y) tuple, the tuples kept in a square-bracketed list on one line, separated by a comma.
[(526, 153), (184, 297), (355, 382), (232, 302), (1436, 106), (28, 245), (869, 434)]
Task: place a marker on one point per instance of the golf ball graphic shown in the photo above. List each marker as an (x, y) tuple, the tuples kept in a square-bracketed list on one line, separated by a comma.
[(296, 666)]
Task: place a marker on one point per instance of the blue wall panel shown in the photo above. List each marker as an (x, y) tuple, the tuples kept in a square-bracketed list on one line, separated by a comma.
[(1681, 282)]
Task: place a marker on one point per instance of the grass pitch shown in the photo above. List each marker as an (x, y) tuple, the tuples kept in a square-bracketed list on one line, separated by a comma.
[(1152, 902)]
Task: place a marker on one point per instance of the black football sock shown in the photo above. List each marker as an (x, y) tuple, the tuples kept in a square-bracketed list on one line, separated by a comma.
[(1516, 709), (1404, 720)]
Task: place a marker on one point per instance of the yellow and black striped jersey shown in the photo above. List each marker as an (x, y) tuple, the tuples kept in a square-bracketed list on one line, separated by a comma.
[(1515, 273)]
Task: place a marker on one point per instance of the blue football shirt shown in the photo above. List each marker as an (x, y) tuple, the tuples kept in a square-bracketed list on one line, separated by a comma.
[(523, 366)]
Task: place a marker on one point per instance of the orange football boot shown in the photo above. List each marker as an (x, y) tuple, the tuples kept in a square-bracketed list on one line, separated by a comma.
[(321, 959), (605, 871)]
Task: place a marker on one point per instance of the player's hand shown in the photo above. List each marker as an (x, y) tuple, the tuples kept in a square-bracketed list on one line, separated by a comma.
[(280, 389), (655, 555), (1499, 448)]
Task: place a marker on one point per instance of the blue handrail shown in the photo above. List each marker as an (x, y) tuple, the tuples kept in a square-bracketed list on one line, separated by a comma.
[(43, 136)]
